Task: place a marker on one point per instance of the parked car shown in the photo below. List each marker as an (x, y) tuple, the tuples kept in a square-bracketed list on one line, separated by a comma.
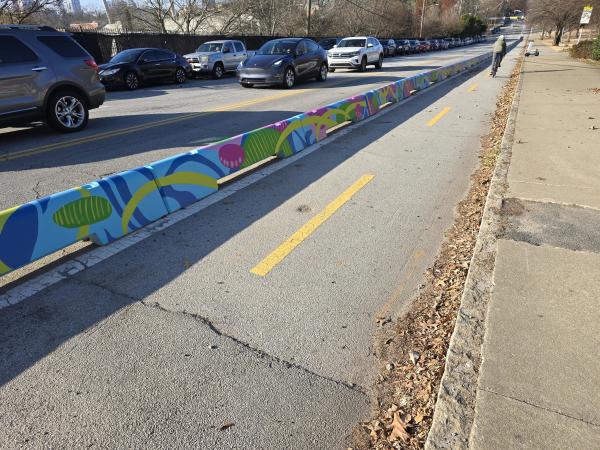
[(136, 66), (403, 47), (45, 75), (283, 62), (217, 57), (414, 46), (329, 43), (443, 44), (450, 42), (389, 47), (424, 46), (434, 44), (356, 53)]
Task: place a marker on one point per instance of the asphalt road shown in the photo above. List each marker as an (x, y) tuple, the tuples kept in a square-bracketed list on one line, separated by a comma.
[(135, 128), (176, 342)]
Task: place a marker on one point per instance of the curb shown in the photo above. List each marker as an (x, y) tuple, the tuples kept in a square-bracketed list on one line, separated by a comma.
[(110, 208), (455, 406)]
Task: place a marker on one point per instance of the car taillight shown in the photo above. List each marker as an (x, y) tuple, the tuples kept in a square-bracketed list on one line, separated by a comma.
[(92, 64)]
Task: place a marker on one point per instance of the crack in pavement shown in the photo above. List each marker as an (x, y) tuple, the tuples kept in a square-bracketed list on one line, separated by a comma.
[(205, 321), (554, 411)]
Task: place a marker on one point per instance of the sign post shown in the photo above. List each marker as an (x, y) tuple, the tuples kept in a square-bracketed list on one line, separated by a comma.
[(586, 15)]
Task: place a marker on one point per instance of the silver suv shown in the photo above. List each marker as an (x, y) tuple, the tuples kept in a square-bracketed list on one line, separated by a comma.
[(46, 75), (217, 57)]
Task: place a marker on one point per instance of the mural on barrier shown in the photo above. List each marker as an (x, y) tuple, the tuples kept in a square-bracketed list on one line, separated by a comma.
[(112, 207), (102, 211)]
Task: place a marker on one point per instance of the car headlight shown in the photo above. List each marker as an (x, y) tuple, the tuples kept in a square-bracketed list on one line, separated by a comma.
[(240, 66), (354, 54), (109, 71), (204, 59)]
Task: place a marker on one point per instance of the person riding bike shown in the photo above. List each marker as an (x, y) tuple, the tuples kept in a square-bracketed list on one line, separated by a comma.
[(499, 52)]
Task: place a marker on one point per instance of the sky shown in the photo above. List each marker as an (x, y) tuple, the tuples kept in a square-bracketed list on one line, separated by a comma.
[(91, 4)]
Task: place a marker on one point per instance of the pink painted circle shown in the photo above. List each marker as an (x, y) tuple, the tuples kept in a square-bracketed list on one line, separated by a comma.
[(231, 155)]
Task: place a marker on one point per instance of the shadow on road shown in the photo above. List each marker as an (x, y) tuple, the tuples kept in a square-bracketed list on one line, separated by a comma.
[(36, 327)]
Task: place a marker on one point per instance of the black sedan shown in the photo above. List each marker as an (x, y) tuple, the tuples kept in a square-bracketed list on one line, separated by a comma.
[(136, 66), (283, 62)]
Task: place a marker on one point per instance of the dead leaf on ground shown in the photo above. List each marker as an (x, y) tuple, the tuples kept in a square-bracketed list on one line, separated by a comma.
[(398, 429), (226, 426)]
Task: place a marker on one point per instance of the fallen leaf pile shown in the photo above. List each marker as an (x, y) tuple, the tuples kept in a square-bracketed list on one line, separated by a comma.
[(412, 351)]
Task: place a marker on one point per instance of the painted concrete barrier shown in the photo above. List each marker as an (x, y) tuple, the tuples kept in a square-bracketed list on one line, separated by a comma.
[(109, 208), (101, 211)]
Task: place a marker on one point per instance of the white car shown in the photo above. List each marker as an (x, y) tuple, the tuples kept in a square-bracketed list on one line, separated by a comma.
[(356, 53)]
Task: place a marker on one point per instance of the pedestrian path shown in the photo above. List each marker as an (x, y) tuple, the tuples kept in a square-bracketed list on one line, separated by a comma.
[(539, 380)]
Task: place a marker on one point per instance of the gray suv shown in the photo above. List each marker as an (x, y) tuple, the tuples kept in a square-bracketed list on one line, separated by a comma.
[(46, 75)]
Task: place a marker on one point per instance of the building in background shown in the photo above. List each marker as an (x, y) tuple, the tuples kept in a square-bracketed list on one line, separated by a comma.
[(72, 6)]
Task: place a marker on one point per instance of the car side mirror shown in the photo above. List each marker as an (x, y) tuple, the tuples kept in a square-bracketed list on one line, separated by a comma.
[(369, 45), (335, 46)]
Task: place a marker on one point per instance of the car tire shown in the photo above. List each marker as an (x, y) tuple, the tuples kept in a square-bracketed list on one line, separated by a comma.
[(180, 76), (363, 64), (246, 85), (67, 111), (379, 63), (289, 78), (322, 73), (218, 71), (132, 82)]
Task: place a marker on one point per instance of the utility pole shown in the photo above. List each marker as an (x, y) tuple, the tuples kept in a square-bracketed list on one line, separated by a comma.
[(422, 18), (308, 18)]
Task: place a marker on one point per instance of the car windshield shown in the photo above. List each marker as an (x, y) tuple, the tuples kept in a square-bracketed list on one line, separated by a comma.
[(126, 56), (210, 47), (352, 43), (324, 42), (277, 48)]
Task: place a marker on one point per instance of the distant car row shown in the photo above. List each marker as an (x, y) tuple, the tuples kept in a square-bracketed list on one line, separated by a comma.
[(396, 47), (277, 62)]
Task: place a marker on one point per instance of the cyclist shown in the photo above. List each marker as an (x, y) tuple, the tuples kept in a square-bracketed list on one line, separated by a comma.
[(499, 52)]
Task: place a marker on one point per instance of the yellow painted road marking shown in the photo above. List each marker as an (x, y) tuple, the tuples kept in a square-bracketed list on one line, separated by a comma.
[(437, 118), (145, 126), (473, 87), (267, 264), (188, 116)]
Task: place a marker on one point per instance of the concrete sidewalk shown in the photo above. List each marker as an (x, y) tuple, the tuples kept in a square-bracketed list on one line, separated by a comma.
[(539, 379)]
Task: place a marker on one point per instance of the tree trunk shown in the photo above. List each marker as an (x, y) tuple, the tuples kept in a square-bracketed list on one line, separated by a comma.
[(558, 35)]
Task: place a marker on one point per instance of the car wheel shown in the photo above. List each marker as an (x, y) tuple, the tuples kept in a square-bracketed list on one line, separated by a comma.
[(289, 78), (246, 85), (379, 63), (132, 81), (322, 73), (180, 76), (67, 111), (218, 71), (363, 64), (332, 69)]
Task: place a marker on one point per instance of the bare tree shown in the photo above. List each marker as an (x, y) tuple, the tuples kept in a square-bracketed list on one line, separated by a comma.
[(190, 15), (560, 15), (154, 14), (19, 11)]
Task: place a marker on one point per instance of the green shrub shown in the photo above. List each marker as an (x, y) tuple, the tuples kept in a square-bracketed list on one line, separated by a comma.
[(596, 49)]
